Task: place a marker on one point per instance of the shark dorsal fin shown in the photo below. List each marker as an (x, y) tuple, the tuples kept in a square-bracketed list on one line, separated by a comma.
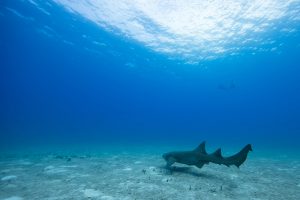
[(201, 148), (217, 153)]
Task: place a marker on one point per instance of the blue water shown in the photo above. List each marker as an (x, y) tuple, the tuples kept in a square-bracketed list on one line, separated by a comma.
[(58, 88)]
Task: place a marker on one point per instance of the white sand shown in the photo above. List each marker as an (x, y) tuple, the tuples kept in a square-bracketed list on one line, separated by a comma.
[(54, 170), (127, 169), (90, 193), (119, 176), (13, 198), (8, 178)]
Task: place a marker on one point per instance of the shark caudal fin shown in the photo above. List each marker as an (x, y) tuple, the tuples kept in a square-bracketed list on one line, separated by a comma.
[(238, 158), (201, 148)]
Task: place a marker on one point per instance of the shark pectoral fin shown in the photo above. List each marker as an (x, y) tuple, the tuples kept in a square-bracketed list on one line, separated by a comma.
[(200, 164)]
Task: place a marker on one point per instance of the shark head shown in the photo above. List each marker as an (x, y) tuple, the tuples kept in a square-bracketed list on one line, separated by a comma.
[(167, 156)]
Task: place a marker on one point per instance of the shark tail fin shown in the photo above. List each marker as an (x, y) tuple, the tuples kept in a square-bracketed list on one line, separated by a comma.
[(201, 148), (239, 158)]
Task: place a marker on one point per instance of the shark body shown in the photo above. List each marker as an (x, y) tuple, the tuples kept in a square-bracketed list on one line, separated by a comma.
[(200, 157)]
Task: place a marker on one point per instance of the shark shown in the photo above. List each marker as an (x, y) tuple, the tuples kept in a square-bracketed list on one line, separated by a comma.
[(199, 157)]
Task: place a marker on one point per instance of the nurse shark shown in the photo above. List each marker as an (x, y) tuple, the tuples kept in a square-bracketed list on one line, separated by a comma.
[(200, 157)]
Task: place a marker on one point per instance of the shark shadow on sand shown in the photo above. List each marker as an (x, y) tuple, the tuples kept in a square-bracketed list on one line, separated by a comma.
[(199, 157), (189, 171)]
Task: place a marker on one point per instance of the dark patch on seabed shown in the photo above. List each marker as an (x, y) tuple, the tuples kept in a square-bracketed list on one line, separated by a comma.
[(127, 175)]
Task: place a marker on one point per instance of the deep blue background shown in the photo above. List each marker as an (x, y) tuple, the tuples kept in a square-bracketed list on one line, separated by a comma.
[(53, 91)]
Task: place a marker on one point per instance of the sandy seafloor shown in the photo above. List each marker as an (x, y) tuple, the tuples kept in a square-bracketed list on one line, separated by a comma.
[(126, 175)]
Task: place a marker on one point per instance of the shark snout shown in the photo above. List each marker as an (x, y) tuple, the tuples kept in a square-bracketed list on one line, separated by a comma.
[(164, 156)]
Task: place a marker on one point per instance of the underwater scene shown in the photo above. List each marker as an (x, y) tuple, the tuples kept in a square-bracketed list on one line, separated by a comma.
[(149, 100)]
